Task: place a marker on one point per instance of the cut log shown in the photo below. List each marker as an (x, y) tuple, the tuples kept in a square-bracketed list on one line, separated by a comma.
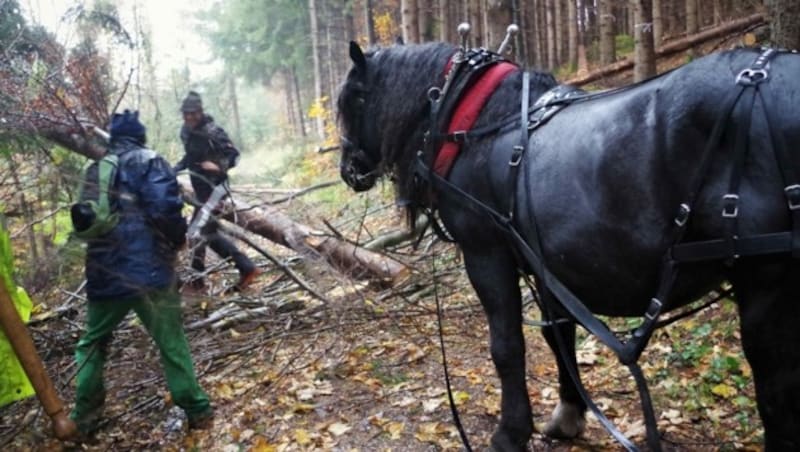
[(671, 48), (272, 224)]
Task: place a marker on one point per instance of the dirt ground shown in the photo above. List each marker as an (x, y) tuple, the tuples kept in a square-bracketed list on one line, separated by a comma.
[(363, 371)]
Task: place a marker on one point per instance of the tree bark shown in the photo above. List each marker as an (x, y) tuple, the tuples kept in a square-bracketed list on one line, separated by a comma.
[(425, 14), (295, 85), (476, 22), (784, 18), (658, 23), (498, 18), (644, 51), (671, 48), (550, 26), (607, 33), (446, 28), (369, 22), (237, 120), (319, 121), (692, 19), (354, 261), (409, 14), (572, 32)]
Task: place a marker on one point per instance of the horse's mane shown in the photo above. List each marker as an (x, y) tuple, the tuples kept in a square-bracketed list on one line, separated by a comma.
[(397, 105)]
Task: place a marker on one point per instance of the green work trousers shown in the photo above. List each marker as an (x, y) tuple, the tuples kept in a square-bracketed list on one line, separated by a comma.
[(160, 313)]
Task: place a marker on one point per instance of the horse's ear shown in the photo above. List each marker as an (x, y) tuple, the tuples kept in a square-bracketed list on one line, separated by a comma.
[(357, 56)]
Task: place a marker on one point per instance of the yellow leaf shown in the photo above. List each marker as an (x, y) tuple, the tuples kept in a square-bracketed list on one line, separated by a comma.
[(724, 390), (459, 397), (302, 408), (302, 437), (260, 444), (394, 429)]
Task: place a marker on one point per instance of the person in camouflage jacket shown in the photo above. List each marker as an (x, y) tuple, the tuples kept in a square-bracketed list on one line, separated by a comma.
[(209, 154)]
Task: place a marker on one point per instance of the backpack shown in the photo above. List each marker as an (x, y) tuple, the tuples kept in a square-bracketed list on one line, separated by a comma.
[(96, 215)]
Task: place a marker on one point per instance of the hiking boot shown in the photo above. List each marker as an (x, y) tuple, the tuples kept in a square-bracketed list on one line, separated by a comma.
[(202, 421), (247, 279)]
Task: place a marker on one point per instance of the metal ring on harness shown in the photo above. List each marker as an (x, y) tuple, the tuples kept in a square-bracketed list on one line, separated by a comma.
[(750, 76)]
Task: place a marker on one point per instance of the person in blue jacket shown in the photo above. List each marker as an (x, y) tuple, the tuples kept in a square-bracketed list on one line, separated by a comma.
[(132, 267)]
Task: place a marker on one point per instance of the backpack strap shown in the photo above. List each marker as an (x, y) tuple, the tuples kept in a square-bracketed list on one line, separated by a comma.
[(106, 175)]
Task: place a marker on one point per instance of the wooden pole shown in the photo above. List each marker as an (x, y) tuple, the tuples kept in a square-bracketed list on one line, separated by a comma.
[(23, 347)]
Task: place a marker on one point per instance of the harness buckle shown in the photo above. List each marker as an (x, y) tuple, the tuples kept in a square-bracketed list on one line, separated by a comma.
[(459, 136), (654, 309), (683, 214), (516, 156), (793, 196), (750, 77), (730, 207)]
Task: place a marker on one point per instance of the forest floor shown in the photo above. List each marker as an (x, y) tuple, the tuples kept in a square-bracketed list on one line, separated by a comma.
[(363, 371)]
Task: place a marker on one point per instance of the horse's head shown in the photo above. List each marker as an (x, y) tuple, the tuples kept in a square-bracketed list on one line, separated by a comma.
[(360, 164)]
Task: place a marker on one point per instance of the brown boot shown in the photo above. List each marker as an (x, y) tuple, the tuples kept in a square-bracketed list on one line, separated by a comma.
[(247, 279)]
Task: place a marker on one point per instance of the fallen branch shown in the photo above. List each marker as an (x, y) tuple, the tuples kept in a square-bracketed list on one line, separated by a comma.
[(272, 224)]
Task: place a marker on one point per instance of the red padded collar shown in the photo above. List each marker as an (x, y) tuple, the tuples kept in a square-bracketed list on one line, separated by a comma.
[(467, 111)]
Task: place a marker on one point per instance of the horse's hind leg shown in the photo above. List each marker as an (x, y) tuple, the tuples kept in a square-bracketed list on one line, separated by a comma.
[(769, 306), (568, 419), (494, 277)]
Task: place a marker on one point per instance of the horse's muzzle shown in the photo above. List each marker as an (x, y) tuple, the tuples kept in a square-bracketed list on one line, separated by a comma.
[(356, 167), (357, 180)]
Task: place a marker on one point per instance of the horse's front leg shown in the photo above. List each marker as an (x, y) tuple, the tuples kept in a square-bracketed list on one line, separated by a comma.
[(493, 275), (568, 420)]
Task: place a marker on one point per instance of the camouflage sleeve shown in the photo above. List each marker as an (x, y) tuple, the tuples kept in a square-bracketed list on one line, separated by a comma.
[(229, 155)]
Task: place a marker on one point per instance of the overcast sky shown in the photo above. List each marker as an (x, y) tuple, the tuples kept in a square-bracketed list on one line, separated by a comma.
[(175, 41)]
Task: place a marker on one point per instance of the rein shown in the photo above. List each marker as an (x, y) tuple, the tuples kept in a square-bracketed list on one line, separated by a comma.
[(554, 293)]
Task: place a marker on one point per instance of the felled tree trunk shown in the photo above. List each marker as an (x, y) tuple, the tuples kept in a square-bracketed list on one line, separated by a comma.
[(354, 261)]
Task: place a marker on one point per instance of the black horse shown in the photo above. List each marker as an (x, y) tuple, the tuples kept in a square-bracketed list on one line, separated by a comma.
[(605, 177)]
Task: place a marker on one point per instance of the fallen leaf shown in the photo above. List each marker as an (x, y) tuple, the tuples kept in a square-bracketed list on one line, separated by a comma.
[(338, 428), (724, 390)]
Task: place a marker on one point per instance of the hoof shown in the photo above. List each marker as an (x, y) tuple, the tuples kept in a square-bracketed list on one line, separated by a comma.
[(567, 422), (502, 442)]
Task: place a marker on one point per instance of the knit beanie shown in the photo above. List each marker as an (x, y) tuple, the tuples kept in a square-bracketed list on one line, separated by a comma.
[(127, 124), (192, 102)]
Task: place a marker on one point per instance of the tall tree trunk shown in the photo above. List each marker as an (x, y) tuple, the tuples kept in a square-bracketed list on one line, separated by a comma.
[(498, 18), (558, 31), (476, 22), (658, 23), (784, 17), (550, 26), (425, 14), (446, 27), (717, 12), (369, 22), (645, 54), (237, 119), (607, 32), (692, 19), (319, 121), (520, 18), (409, 14), (572, 32), (299, 102)]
